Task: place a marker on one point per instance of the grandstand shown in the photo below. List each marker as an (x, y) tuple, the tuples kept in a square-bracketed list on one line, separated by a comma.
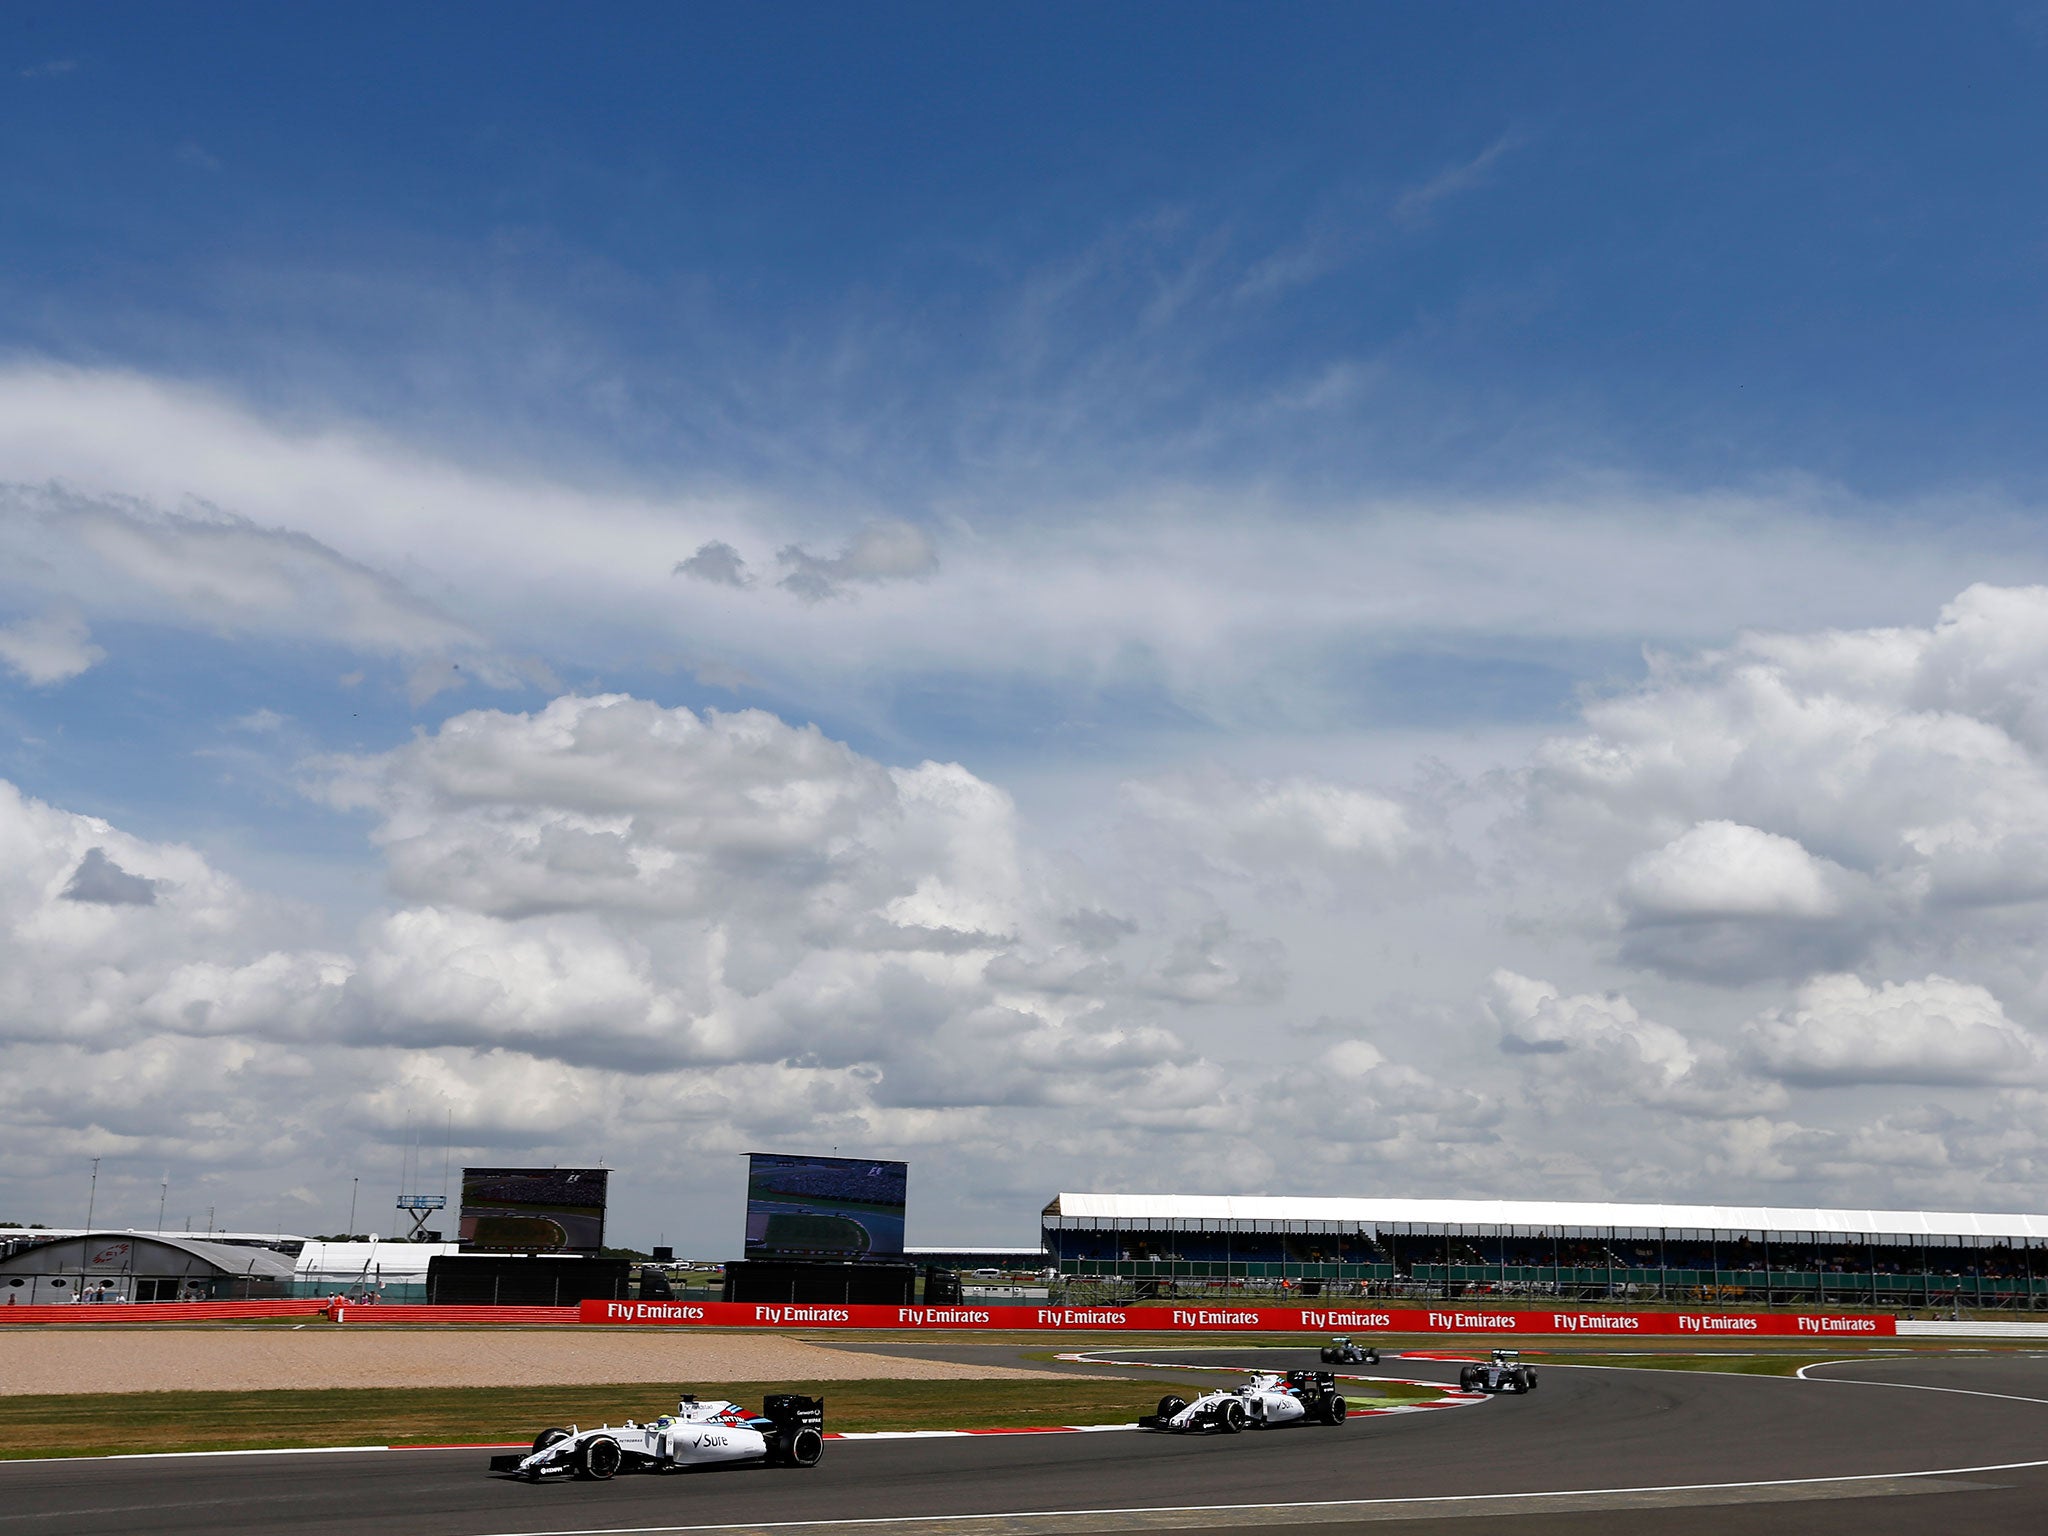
[(1202, 1245)]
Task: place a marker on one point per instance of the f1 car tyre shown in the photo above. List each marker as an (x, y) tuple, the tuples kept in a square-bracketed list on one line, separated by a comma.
[(1231, 1418), (1329, 1355), (1335, 1409), (1169, 1405), (1372, 1357), (805, 1447), (599, 1458), (1468, 1380), (548, 1437)]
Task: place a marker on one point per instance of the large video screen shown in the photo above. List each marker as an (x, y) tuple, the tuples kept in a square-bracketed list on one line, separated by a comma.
[(824, 1207), (533, 1210)]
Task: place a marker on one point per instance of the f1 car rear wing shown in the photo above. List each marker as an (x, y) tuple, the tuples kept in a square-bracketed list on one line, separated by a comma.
[(792, 1411)]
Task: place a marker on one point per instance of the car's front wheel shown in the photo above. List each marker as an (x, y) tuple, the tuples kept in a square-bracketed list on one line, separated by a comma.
[(1329, 1357), (599, 1458), (1231, 1420), (1169, 1405)]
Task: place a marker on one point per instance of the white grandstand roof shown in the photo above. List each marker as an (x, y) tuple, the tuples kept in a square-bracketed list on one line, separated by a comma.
[(387, 1260), (1281, 1211)]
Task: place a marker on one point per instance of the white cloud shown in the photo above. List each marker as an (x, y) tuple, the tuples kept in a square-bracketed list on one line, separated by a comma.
[(1294, 833), (220, 573), (1240, 605), (52, 649), (1841, 1031), (890, 550), (1586, 1050), (1724, 869)]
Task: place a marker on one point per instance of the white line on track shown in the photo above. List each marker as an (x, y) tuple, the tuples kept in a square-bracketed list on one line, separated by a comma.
[(1476, 1499), (298, 1450), (1907, 1386)]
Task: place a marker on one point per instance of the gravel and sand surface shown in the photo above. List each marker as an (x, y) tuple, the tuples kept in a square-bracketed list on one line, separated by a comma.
[(254, 1359)]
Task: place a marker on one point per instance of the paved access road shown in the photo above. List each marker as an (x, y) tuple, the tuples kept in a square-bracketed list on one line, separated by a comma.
[(1602, 1451)]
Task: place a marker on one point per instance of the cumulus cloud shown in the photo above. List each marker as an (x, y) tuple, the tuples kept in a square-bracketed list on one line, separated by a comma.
[(1842, 1031), (1583, 1049), (51, 649), (1295, 833), (98, 878), (1788, 804)]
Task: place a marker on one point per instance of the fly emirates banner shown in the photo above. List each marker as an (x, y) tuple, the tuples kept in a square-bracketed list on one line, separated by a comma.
[(1196, 1319)]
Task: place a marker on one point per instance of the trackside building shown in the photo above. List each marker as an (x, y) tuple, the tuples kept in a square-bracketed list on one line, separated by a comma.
[(1205, 1245)]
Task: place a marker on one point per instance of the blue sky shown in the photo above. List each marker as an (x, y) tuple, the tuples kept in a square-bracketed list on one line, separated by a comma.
[(1708, 242), (1273, 453)]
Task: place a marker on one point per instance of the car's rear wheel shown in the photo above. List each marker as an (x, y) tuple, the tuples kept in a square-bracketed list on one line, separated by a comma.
[(1335, 1409), (1231, 1419), (598, 1459), (804, 1448)]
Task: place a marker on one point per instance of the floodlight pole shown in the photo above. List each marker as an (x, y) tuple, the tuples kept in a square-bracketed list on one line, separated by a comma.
[(352, 1183), (92, 1196)]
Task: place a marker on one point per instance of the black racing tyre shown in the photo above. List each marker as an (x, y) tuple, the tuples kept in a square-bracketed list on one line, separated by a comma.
[(1329, 1357), (599, 1458), (1468, 1380), (1530, 1373), (1519, 1380), (804, 1448), (1372, 1357), (1231, 1418), (1335, 1409), (548, 1437), (1169, 1405)]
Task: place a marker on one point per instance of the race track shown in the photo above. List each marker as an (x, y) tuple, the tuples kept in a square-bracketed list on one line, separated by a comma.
[(1947, 1443)]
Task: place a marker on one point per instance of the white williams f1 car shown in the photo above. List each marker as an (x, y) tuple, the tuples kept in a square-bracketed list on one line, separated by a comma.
[(1266, 1402), (1341, 1351), (1504, 1372), (789, 1431)]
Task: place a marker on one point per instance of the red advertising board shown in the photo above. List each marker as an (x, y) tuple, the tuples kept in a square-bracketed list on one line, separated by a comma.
[(1196, 1319)]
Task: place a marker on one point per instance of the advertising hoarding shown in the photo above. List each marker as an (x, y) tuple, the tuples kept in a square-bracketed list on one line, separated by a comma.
[(533, 1210), (833, 1208), (1359, 1318)]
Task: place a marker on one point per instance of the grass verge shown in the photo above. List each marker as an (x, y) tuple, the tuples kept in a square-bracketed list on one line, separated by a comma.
[(103, 1424)]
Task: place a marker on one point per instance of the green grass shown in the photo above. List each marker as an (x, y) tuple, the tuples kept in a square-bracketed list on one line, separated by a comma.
[(101, 1424)]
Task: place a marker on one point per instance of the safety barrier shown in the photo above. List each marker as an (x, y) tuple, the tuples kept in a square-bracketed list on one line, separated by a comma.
[(714, 1314), (164, 1311), (525, 1316), (1190, 1319)]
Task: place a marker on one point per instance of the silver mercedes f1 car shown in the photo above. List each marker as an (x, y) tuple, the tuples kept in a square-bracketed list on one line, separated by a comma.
[(1502, 1372), (789, 1431)]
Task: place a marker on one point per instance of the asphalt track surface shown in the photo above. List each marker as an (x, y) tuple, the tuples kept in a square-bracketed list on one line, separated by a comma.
[(1932, 1444)]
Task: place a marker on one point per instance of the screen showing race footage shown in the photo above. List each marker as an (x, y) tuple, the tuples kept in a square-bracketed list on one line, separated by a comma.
[(533, 1210), (824, 1207)]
